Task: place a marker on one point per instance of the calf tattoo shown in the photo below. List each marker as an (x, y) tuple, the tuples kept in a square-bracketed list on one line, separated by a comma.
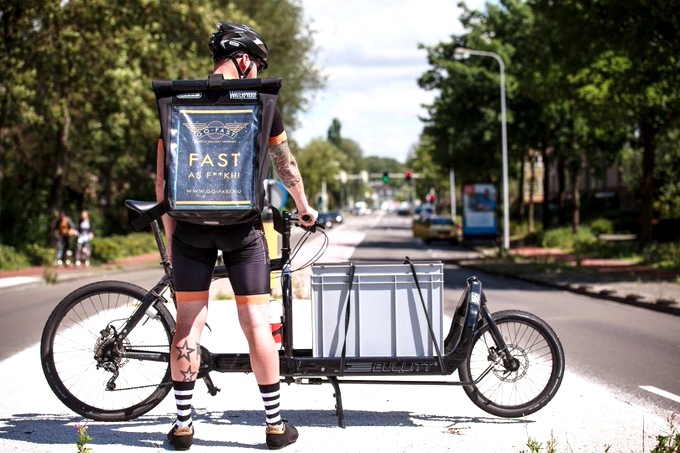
[(189, 374), (185, 351)]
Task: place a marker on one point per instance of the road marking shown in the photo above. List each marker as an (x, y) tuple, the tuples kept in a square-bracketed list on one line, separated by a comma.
[(663, 393), (14, 281)]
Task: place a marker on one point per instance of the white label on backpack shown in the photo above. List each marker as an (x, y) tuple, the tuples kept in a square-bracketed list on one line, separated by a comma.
[(190, 96), (243, 95)]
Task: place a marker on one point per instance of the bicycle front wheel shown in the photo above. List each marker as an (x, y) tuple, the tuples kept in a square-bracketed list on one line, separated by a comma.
[(94, 371), (537, 366)]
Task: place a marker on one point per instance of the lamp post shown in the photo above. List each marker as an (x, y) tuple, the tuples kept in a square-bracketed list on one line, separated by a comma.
[(463, 52)]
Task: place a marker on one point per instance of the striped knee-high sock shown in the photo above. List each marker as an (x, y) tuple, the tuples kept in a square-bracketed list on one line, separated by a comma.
[(184, 391), (270, 396)]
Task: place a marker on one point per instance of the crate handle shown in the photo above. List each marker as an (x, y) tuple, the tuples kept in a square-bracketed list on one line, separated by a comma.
[(427, 315), (344, 342)]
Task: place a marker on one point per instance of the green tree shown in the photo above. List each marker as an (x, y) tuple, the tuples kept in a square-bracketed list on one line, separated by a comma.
[(320, 161), (631, 72), (78, 120)]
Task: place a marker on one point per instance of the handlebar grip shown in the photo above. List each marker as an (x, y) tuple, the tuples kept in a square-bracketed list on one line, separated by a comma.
[(306, 218)]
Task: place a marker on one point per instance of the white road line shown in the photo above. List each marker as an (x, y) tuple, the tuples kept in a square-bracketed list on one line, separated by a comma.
[(13, 281), (663, 393)]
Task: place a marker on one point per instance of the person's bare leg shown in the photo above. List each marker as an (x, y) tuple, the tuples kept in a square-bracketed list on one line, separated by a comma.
[(185, 360), (264, 360), (185, 356), (254, 319)]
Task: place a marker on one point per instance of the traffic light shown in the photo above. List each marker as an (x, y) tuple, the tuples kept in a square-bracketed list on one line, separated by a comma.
[(407, 176), (386, 177), (430, 198)]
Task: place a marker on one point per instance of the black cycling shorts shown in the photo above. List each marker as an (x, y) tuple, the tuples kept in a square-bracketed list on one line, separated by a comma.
[(244, 251)]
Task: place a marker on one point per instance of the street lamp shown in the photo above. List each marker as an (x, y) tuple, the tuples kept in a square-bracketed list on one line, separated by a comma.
[(463, 52)]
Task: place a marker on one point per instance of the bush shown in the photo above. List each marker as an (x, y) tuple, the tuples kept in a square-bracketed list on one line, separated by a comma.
[(138, 244), (665, 255), (106, 249), (11, 259), (558, 237), (564, 239), (115, 247), (39, 255), (601, 226)]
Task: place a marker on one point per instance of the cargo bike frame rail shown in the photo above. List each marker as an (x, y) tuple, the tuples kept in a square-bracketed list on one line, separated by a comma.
[(106, 346)]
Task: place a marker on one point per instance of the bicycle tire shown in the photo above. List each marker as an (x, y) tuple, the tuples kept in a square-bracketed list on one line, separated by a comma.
[(76, 331), (518, 393)]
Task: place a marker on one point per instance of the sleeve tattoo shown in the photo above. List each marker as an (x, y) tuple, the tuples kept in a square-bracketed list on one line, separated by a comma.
[(285, 164)]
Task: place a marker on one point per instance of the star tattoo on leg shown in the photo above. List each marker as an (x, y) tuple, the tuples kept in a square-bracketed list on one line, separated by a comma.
[(184, 351), (188, 374)]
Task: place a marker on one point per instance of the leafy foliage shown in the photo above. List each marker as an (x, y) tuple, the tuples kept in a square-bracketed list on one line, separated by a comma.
[(584, 79), (78, 121)]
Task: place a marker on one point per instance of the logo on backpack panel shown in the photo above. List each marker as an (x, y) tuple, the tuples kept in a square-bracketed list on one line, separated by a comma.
[(215, 130), (243, 95)]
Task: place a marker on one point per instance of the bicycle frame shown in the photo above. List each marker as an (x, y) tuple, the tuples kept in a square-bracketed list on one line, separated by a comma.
[(298, 365)]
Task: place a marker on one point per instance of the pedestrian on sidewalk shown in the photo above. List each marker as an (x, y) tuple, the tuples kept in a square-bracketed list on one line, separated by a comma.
[(238, 52), (63, 229), (85, 235)]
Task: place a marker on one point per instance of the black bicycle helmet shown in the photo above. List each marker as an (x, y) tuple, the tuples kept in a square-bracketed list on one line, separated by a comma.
[(231, 39)]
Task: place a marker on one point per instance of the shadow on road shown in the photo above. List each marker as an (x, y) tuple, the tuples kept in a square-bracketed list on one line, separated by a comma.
[(146, 431)]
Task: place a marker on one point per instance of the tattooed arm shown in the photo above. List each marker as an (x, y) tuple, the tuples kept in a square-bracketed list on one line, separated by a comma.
[(287, 169)]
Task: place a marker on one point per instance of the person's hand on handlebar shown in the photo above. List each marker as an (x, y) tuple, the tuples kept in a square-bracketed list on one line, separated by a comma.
[(307, 216)]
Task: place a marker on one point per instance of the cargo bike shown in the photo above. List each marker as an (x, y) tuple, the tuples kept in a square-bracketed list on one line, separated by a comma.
[(106, 346)]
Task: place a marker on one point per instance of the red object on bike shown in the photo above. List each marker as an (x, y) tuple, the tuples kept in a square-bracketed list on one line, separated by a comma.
[(275, 321), (277, 331)]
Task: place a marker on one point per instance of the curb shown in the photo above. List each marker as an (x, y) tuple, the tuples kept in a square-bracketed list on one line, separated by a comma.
[(662, 305), (36, 275)]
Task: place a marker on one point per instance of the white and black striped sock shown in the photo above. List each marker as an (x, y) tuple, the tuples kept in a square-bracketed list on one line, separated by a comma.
[(184, 392), (270, 396)]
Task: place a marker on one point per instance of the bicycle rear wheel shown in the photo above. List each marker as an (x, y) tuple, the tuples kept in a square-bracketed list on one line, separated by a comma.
[(539, 366), (93, 371)]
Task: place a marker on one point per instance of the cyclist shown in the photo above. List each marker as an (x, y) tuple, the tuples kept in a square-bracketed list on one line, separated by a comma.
[(238, 52)]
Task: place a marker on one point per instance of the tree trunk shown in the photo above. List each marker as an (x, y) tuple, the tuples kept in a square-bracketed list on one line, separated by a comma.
[(546, 189), (532, 182), (576, 198), (562, 192), (648, 140), (522, 205), (62, 146)]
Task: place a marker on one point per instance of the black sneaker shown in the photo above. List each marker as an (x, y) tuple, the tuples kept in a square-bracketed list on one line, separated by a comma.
[(278, 436), (181, 438)]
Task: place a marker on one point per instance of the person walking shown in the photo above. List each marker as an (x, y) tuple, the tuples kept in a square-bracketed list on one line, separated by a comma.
[(85, 235), (63, 229), (238, 52)]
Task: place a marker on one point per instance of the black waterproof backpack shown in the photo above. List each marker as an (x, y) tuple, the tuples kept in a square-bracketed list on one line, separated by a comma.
[(215, 134)]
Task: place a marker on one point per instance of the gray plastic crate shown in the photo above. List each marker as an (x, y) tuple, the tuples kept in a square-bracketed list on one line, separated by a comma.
[(386, 315)]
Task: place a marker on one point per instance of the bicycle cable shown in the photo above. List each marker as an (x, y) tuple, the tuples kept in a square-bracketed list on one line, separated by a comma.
[(319, 253)]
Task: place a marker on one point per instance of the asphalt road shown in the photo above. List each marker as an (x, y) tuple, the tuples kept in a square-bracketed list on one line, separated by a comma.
[(611, 350), (607, 342)]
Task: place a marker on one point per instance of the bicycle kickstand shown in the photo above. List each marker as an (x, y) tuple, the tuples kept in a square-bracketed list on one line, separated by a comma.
[(338, 401), (212, 389)]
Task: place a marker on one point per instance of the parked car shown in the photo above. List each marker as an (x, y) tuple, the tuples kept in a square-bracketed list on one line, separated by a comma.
[(325, 219), (435, 228), (336, 216)]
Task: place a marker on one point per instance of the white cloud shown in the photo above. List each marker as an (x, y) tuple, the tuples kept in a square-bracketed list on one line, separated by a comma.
[(369, 52)]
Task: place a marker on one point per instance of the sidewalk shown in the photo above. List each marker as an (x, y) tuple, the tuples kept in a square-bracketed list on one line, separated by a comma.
[(40, 274), (611, 279)]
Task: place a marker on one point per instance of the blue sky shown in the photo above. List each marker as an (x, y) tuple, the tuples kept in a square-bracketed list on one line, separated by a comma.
[(368, 50)]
